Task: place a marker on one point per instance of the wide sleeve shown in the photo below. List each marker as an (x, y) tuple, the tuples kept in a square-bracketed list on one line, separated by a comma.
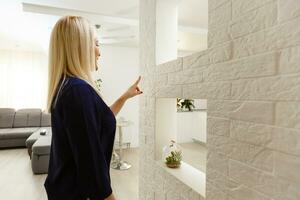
[(82, 122)]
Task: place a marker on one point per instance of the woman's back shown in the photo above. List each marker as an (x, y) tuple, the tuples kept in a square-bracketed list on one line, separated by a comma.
[(83, 131)]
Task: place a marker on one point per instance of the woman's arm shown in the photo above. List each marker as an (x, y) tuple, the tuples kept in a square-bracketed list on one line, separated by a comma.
[(131, 92)]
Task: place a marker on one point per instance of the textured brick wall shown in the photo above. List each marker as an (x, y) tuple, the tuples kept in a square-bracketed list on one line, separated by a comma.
[(250, 75)]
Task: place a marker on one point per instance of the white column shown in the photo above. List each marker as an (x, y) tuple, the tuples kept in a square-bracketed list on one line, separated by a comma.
[(166, 124), (166, 30)]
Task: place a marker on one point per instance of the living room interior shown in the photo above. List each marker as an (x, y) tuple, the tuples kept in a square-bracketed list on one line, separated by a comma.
[(219, 118), (26, 127)]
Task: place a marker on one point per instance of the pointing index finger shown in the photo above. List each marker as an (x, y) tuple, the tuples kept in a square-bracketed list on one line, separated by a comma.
[(137, 82)]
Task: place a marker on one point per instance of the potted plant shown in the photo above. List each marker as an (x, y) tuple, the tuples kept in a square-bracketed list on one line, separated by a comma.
[(172, 155), (185, 104)]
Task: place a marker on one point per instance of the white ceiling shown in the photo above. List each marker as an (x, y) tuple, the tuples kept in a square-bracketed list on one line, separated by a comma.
[(25, 30), (193, 13), (190, 13), (106, 7)]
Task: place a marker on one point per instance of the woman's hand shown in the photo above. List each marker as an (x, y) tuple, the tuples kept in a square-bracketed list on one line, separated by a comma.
[(133, 90)]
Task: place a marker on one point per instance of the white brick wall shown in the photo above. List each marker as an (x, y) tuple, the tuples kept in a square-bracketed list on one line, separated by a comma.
[(250, 75)]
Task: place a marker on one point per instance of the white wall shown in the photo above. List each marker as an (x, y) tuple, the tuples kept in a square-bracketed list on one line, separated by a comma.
[(191, 125), (119, 68), (166, 30), (166, 129), (200, 103), (179, 126), (20, 71)]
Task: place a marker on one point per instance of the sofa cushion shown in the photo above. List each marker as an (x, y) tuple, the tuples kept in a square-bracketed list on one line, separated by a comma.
[(20, 120), (40, 163), (36, 135), (46, 119), (42, 146), (17, 142), (27, 118), (6, 117), (13, 133), (34, 119)]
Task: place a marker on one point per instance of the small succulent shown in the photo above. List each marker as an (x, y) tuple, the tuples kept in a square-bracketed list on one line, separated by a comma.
[(174, 160)]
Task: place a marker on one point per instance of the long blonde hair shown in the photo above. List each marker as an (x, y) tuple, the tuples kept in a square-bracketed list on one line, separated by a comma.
[(71, 52)]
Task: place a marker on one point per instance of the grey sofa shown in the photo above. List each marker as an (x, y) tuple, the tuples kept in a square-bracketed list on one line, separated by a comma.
[(41, 155), (39, 149), (36, 136), (17, 126), (22, 128)]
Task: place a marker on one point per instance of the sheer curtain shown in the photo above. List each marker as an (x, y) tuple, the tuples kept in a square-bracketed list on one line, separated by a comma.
[(23, 79)]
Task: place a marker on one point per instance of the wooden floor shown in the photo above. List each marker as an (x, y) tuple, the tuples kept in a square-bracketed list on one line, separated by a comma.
[(16, 178), (125, 183), (18, 182)]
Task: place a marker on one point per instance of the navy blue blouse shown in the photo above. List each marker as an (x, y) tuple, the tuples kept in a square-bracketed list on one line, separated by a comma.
[(83, 132)]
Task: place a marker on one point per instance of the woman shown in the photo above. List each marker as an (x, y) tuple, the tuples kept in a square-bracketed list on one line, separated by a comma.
[(83, 126)]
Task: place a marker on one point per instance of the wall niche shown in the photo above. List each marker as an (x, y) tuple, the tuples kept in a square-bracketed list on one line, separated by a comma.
[(180, 139)]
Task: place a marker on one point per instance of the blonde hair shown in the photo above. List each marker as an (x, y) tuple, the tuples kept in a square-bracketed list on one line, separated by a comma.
[(71, 52)]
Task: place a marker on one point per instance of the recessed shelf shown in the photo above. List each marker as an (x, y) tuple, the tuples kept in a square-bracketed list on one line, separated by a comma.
[(189, 175), (185, 128)]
